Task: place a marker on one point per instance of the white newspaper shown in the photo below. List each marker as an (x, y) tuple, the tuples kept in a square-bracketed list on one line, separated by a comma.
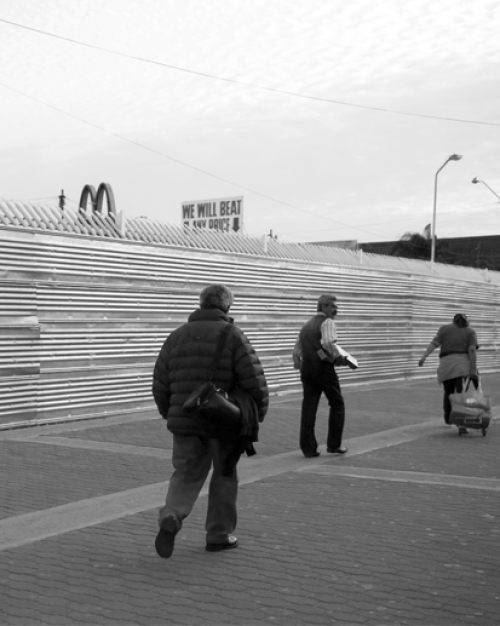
[(339, 351)]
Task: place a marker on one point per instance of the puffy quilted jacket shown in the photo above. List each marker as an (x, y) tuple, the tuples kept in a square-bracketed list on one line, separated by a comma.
[(185, 362)]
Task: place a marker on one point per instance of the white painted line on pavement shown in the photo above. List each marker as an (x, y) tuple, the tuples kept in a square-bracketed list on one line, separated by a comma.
[(23, 529), (402, 476), (99, 446), (33, 429), (39, 525)]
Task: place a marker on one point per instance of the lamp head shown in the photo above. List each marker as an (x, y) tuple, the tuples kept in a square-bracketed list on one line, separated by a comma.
[(455, 157), (475, 180)]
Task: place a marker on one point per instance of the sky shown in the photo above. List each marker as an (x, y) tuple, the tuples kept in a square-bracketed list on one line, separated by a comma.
[(330, 118)]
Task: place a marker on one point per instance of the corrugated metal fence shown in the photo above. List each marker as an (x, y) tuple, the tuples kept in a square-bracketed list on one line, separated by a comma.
[(83, 318)]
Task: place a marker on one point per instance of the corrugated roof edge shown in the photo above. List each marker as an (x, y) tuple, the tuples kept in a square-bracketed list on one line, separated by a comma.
[(39, 217)]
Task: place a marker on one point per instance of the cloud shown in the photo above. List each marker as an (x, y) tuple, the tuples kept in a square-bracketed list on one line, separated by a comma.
[(418, 56)]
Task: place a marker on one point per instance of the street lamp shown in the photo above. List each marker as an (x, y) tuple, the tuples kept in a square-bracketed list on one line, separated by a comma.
[(476, 180), (453, 157)]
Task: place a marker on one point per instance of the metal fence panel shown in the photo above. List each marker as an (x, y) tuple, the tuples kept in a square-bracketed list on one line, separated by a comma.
[(83, 318)]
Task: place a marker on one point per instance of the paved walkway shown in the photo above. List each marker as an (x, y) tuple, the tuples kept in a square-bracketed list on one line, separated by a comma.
[(402, 530)]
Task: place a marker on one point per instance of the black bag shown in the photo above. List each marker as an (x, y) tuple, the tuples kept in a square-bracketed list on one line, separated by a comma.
[(220, 416)]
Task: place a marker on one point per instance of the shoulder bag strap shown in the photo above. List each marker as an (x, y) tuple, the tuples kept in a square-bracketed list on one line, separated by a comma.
[(226, 331)]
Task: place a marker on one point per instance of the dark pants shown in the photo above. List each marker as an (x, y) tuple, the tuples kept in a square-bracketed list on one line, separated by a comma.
[(192, 458), (324, 380), (453, 385)]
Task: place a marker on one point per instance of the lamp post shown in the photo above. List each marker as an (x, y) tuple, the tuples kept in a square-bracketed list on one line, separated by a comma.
[(476, 180), (453, 157)]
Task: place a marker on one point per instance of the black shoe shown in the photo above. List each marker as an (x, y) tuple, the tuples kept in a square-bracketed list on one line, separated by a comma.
[(311, 455), (340, 450), (165, 538), (230, 543)]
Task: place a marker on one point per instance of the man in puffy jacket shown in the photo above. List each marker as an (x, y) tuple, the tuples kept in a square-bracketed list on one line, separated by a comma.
[(184, 363)]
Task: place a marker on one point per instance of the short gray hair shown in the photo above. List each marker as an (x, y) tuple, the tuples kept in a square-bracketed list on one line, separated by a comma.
[(325, 299), (216, 297)]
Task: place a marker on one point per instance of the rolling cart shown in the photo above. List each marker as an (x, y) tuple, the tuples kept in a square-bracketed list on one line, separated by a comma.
[(470, 409)]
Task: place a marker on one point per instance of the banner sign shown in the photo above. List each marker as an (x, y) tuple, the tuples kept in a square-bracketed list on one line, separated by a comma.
[(222, 214)]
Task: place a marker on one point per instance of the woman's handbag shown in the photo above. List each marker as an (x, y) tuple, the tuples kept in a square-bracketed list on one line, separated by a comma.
[(220, 416)]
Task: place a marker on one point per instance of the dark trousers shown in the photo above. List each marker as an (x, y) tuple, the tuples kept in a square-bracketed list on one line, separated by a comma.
[(192, 458), (323, 380), (453, 385)]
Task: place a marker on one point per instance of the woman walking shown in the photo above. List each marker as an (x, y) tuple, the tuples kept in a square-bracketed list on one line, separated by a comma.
[(457, 359)]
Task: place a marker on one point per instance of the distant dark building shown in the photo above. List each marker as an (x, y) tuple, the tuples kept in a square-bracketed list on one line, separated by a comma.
[(483, 252), (349, 244)]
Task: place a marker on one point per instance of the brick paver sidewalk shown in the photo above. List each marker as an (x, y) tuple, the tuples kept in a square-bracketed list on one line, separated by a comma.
[(403, 530)]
